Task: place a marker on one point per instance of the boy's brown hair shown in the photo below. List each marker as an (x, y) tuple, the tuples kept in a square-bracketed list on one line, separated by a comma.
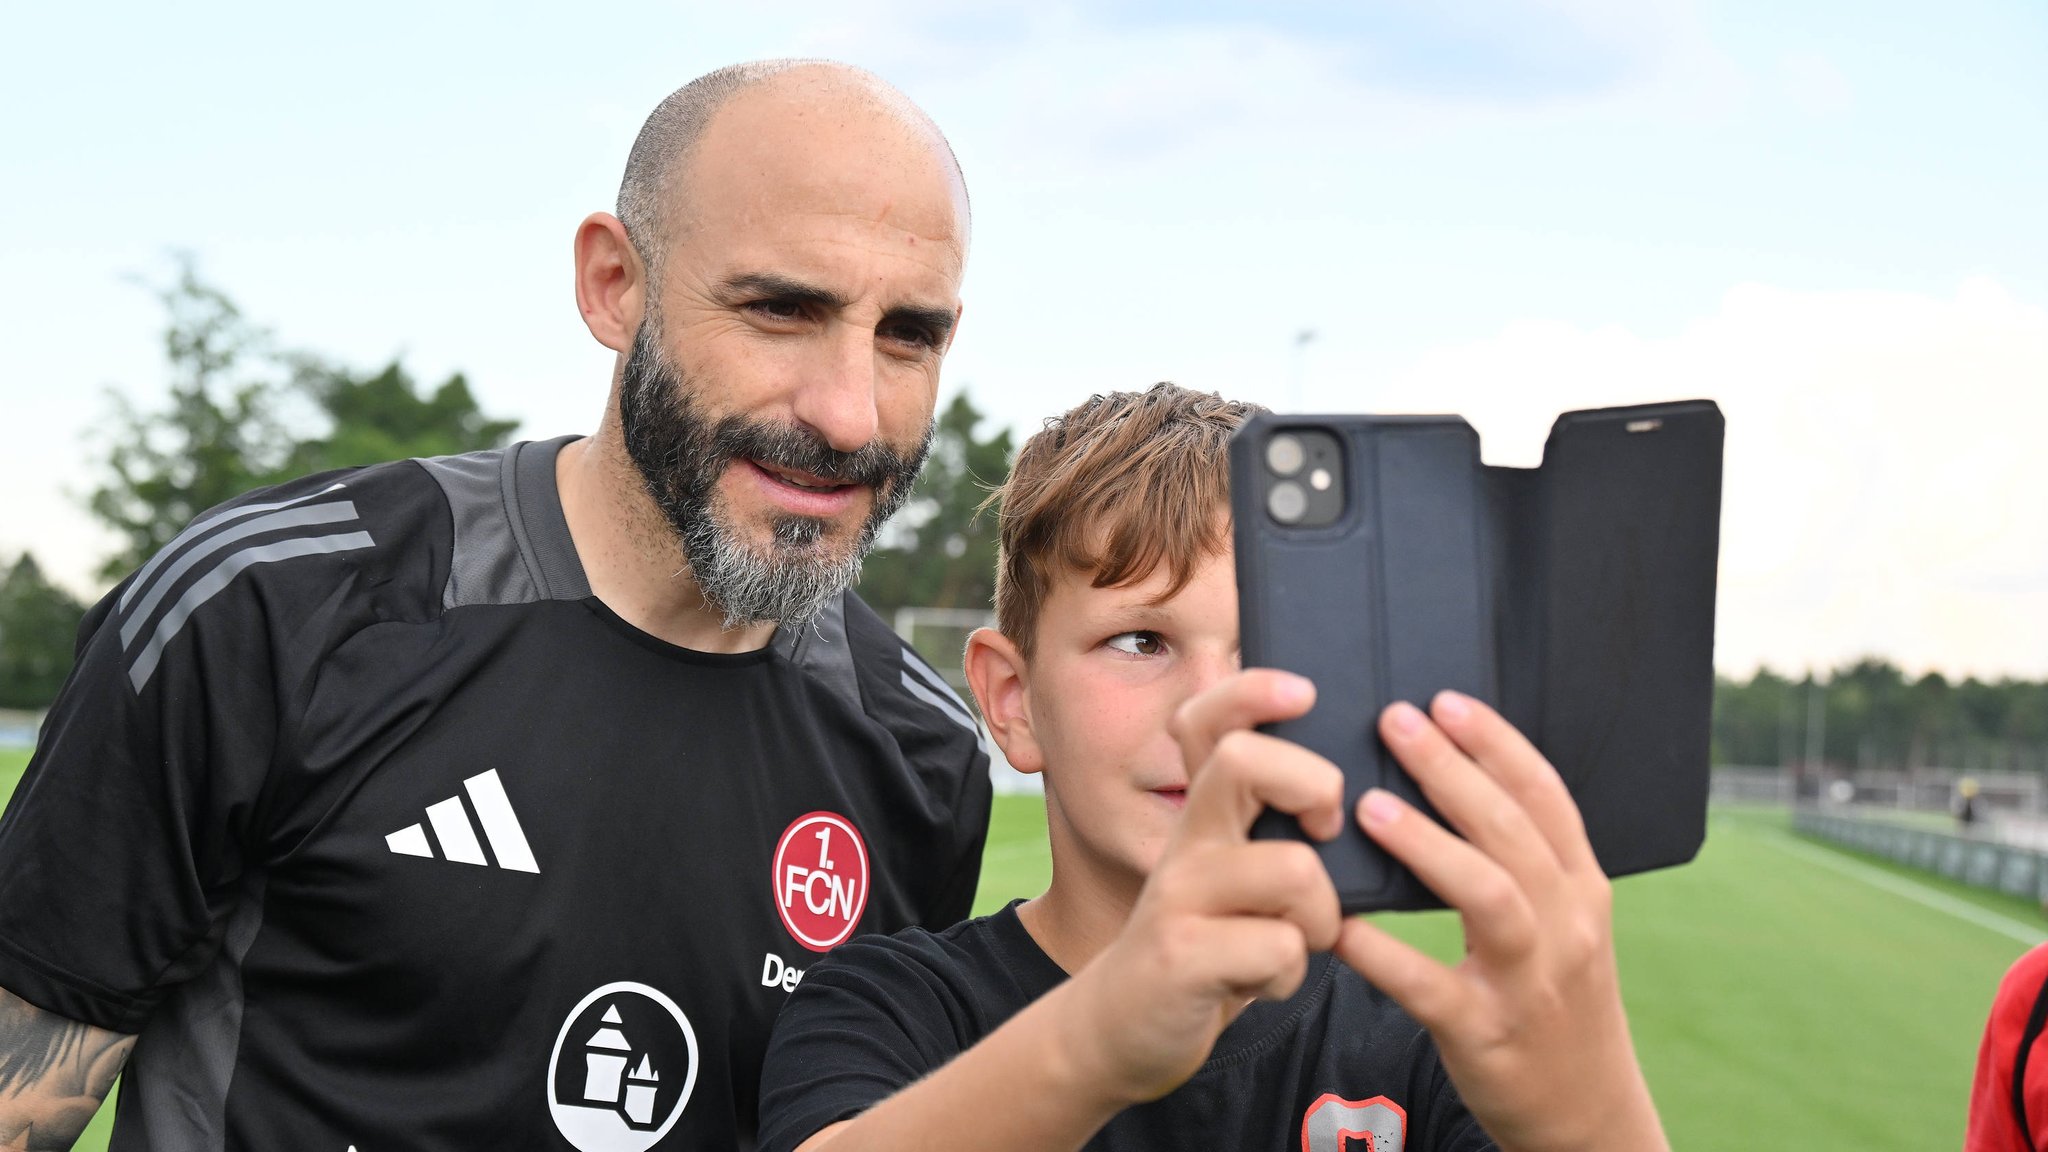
[(1117, 486)]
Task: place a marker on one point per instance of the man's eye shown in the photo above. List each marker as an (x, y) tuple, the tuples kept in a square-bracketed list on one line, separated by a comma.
[(779, 309), (1138, 643), (911, 334)]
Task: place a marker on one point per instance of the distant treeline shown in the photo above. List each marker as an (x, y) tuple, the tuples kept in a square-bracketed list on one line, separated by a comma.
[(1870, 715)]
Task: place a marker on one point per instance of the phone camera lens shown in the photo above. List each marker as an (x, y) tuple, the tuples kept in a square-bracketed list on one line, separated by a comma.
[(1287, 501), (1284, 455)]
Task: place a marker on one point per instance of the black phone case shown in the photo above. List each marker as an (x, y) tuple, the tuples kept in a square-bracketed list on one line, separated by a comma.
[(1577, 598)]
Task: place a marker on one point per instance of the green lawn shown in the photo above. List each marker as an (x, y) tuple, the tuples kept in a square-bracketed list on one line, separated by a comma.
[(12, 761), (1777, 1003)]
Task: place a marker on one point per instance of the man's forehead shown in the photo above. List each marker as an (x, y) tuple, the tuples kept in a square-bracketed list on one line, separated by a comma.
[(781, 151)]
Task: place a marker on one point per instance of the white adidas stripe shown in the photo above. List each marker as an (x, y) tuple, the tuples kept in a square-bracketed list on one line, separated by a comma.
[(457, 836), (451, 828), (501, 827)]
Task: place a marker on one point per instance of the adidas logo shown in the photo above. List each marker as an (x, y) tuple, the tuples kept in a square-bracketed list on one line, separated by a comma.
[(457, 836)]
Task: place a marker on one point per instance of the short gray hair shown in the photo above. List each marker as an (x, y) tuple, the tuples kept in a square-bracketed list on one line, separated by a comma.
[(677, 124)]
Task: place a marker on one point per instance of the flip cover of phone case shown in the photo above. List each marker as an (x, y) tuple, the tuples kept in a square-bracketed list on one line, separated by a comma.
[(1576, 597)]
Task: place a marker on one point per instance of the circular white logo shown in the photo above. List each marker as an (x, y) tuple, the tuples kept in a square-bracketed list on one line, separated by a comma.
[(622, 1069), (821, 879)]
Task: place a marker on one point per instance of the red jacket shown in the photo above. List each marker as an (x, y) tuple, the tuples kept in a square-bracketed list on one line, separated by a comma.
[(1993, 1127)]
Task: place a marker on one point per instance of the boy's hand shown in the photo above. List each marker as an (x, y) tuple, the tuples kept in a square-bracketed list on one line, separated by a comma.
[(1530, 1023), (1223, 919)]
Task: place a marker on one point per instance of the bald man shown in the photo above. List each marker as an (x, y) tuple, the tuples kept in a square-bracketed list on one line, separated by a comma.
[(500, 801)]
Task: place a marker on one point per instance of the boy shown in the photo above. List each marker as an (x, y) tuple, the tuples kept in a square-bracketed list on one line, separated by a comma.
[(1180, 985)]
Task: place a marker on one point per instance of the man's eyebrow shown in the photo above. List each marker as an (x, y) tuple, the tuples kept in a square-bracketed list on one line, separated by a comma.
[(773, 286), (937, 321)]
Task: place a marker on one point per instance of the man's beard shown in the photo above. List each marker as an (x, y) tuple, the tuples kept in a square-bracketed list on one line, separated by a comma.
[(681, 453)]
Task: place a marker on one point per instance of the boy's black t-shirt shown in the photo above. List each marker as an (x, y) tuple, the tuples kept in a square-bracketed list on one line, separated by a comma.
[(1337, 1066)]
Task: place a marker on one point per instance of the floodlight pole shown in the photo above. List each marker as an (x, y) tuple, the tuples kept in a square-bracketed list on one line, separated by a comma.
[(1302, 340), (1816, 723)]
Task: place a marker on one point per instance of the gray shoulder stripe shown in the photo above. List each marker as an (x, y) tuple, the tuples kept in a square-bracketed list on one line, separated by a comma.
[(198, 527), (336, 513), (912, 661), (211, 584), (941, 703)]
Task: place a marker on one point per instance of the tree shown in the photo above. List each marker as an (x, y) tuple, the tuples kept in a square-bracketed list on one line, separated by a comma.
[(218, 437), (939, 551), (383, 417), (225, 429), (38, 633)]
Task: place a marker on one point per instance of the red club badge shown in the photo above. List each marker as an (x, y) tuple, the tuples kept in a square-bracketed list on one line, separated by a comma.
[(821, 879)]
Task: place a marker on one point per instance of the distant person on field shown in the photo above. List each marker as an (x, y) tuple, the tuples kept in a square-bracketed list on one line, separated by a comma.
[(2005, 1118), (1175, 987)]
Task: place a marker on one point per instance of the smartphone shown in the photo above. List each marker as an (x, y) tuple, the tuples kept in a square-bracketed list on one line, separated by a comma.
[(1379, 557)]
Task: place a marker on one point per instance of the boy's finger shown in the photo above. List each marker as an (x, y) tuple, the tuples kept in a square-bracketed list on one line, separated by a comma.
[(1499, 917), (1252, 697), (1469, 799), (1431, 992), (1248, 956), (1501, 749), (1249, 772), (1280, 879)]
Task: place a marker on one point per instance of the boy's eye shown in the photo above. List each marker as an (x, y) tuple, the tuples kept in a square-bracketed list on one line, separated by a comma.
[(1138, 643)]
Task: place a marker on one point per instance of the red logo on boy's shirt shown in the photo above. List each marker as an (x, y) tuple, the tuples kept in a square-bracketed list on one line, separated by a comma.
[(821, 879), (1332, 1123)]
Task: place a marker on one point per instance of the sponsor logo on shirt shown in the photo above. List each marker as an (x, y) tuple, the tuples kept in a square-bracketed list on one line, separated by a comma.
[(457, 836), (821, 879), (622, 1069), (779, 973), (1332, 1124)]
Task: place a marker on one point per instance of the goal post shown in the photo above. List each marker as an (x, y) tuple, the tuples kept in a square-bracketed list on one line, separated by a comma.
[(940, 636)]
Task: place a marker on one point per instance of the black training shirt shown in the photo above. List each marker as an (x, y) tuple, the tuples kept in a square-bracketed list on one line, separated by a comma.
[(386, 834), (1334, 1065)]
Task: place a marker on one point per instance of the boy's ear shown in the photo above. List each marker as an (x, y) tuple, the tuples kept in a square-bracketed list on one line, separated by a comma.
[(997, 673)]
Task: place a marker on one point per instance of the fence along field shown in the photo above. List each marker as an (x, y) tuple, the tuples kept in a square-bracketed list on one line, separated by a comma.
[(1784, 994)]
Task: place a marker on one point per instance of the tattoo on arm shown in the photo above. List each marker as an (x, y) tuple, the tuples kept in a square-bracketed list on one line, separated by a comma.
[(54, 1072)]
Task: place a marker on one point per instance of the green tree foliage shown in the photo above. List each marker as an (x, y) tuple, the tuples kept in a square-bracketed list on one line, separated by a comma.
[(227, 426), (1870, 715), (384, 417), (940, 552), (218, 436), (38, 632)]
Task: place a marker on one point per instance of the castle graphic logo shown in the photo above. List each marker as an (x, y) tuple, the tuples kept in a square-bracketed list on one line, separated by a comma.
[(622, 1069)]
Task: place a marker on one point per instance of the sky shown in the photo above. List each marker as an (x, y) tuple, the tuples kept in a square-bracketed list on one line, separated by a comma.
[(1827, 217)]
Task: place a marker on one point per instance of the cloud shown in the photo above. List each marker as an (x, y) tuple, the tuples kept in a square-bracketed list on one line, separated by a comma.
[(1097, 89), (1883, 491)]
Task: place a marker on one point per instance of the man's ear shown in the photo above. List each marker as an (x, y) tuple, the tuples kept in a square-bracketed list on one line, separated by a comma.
[(997, 673), (611, 283)]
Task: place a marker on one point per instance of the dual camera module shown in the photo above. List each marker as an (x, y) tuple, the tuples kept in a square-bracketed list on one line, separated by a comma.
[(1304, 478)]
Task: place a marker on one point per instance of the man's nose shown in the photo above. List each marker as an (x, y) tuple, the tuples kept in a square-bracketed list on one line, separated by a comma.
[(836, 398)]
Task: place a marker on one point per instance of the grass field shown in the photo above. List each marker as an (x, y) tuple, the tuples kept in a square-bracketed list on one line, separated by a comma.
[(12, 761), (1777, 1002), (1784, 995)]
